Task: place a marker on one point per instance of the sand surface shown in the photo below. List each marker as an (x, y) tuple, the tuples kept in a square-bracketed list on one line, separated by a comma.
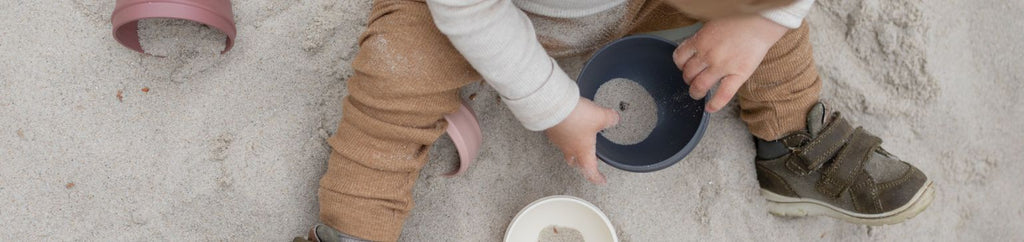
[(638, 114), (232, 148)]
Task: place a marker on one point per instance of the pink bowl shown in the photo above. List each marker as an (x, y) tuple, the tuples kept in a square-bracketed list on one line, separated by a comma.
[(465, 132), (214, 13)]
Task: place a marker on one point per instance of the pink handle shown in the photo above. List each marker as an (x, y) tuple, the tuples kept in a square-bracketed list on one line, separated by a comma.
[(127, 13), (465, 132)]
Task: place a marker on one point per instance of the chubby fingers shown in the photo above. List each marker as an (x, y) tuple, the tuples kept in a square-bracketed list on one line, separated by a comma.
[(701, 84), (726, 90), (683, 53), (588, 166), (611, 118), (689, 61), (607, 117), (694, 68)]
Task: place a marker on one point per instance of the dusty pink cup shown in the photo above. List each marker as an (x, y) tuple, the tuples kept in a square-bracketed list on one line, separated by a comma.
[(465, 132), (214, 13)]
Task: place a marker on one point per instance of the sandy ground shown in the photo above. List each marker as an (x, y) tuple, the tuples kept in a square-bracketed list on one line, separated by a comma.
[(232, 148)]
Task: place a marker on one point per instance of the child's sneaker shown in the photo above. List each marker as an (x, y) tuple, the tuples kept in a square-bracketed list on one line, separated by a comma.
[(837, 170), (324, 233)]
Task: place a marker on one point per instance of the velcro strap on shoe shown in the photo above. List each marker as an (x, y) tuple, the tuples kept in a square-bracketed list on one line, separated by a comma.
[(849, 163), (865, 195), (827, 143)]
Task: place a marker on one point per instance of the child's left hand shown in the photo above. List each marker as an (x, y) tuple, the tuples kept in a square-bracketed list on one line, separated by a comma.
[(726, 50)]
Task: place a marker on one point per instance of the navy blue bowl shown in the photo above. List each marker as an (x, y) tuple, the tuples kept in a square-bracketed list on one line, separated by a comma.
[(681, 120)]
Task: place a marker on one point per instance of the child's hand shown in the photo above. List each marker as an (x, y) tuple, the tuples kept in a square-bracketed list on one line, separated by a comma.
[(726, 50), (576, 136)]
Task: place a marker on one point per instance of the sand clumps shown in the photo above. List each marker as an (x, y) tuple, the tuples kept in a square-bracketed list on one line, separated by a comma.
[(890, 40), (638, 113), (882, 67)]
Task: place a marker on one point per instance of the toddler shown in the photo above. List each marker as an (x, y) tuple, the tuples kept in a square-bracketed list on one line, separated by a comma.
[(416, 54)]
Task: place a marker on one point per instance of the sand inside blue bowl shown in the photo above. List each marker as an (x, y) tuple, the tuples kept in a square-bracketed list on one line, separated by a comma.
[(638, 114)]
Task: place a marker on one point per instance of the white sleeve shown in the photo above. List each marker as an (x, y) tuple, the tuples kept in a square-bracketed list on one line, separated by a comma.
[(790, 16), (499, 41)]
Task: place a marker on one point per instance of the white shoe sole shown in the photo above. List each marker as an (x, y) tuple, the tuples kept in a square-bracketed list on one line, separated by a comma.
[(798, 207)]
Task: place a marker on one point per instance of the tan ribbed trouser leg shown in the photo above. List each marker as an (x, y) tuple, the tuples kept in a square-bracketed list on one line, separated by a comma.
[(776, 98), (407, 76)]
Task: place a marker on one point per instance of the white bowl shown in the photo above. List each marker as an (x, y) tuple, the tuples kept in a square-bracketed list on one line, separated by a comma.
[(562, 211)]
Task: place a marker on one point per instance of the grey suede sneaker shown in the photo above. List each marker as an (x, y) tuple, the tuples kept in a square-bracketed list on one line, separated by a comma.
[(836, 170), (324, 233)]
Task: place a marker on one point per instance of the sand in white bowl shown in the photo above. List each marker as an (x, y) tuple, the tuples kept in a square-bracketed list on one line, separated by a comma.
[(638, 114), (556, 233)]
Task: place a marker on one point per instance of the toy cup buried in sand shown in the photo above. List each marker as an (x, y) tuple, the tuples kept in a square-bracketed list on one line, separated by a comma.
[(681, 120), (214, 13)]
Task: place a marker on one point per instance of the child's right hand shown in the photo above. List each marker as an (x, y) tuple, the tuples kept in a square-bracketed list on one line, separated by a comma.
[(725, 52), (576, 136)]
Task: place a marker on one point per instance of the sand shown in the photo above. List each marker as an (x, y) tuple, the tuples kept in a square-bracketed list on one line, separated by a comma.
[(191, 46), (233, 150), (556, 233), (178, 38), (638, 113)]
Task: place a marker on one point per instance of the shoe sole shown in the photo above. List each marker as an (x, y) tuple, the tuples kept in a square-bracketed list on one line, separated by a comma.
[(798, 207)]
